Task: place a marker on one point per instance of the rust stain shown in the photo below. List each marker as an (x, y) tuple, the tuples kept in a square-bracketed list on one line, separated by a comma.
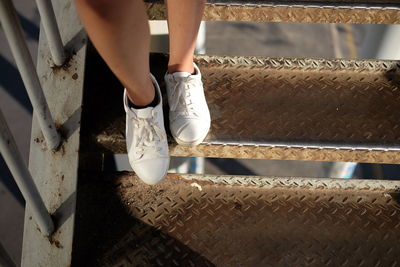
[(55, 242), (38, 140), (64, 67), (62, 130)]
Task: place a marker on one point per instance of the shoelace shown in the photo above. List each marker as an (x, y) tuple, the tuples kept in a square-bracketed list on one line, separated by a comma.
[(147, 133), (181, 94)]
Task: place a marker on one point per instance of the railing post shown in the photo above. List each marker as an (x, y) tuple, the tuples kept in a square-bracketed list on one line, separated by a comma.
[(49, 23), (13, 31), (14, 161)]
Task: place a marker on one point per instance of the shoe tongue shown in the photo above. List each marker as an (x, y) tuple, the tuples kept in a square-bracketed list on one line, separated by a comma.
[(181, 74), (144, 113)]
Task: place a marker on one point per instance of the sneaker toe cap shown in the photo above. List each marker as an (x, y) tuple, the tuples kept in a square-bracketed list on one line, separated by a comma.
[(192, 131), (151, 171)]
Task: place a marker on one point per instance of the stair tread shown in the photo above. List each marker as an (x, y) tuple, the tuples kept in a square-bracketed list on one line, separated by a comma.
[(327, 11), (231, 220), (301, 2), (260, 103)]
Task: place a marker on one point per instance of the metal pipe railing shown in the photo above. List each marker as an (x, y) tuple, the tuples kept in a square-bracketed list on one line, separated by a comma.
[(13, 31), (50, 27), (14, 161)]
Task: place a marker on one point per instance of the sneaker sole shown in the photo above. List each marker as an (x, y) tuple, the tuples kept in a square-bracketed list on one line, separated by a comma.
[(193, 143), (164, 176)]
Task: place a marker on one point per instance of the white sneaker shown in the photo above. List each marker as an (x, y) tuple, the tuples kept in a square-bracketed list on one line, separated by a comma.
[(146, 140), (189, 117)]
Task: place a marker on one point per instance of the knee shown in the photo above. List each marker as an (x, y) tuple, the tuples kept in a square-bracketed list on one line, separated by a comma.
[(201, 2), (106, 8)]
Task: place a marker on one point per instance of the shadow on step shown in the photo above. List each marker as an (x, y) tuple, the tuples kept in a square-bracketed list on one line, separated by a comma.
[(107, 234), (234, 221)]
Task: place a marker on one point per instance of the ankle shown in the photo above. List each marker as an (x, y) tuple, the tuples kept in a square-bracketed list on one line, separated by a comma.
[(181, 68), (152, 104), (142, 97)]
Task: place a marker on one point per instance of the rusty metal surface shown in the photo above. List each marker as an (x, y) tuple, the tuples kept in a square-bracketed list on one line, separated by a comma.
[(368, 12), (274, 108), (56, 173), (191, 220)]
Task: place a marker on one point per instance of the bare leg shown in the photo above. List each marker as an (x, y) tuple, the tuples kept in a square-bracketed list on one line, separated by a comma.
[(119, 29), (184, 17)]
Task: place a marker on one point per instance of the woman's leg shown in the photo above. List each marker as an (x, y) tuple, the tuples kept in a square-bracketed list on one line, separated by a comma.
[(189, 115), (119, 30), (184, 17)]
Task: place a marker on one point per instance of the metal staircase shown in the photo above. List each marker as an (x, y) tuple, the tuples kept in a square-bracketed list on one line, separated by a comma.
[(300, 109), (203, 220), (308, 109), (272, 108)]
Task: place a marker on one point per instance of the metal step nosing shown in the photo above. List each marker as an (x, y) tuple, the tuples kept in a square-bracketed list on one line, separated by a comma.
[(305, 63), (272, 4), (298, 182), (276, 12), (362, 7), (332, 146), (309, 146)]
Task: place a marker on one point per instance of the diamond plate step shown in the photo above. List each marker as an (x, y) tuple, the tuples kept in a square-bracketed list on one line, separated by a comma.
[(327, 11), (269, 108), (191, 220)]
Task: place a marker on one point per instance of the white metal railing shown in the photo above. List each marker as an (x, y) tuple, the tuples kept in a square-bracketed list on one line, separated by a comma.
[(13, 31), (23, 178), (49, 22), (8, 148)]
